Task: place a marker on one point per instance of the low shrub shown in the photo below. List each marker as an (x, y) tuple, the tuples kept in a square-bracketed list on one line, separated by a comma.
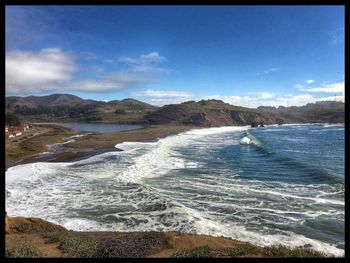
[(240, 251), (197, 252), (81, 247), (284, 252), (54, 237), (22, 251)]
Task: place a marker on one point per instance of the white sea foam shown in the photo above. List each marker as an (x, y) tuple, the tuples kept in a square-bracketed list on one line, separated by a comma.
[(134, 146), (217, 130), (333, 125)]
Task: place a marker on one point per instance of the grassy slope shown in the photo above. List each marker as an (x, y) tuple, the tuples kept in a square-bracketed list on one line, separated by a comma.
[(27, 145), (31, 237)]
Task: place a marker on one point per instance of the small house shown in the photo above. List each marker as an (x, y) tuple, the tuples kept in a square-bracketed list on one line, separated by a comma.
[(22, 127)]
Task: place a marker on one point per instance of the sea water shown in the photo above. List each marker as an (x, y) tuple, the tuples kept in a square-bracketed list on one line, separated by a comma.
[(286, 188)]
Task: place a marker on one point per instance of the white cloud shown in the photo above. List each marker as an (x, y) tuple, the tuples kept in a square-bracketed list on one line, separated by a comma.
[(165, 101), (254, 102), (310, 81), (163, 97), (338, 87), (267, 95), (52, 70), (25, 69), (299, 86), (109, 82)]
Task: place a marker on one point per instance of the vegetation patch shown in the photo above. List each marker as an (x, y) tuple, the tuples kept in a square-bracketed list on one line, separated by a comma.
[(284, 252), (240, 251), (53, 237), (22, 251), (197, 252), (132, 245), (81, 247)]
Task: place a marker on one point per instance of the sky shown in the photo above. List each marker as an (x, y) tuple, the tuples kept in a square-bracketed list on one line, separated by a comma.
[(244, 55)]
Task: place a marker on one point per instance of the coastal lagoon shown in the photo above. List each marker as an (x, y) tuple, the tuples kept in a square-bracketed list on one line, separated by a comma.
[(95, 127), (286, 189)]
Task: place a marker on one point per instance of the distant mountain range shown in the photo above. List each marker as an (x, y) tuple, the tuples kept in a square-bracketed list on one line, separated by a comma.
[(206, 113)]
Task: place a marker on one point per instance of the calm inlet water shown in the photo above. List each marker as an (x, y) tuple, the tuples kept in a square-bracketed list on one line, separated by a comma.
[(95, 127), (287, 188)]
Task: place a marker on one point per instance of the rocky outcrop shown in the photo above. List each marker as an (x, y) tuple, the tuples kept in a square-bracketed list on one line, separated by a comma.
[(27, 225)]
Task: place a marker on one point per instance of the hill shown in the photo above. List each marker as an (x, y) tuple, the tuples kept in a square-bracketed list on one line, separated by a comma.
[(16, 102), (204, 113), (321, 111), (217, 113), (66, 107)]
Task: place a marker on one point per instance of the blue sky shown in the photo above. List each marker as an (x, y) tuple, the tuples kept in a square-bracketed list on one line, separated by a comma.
[(243, 55)]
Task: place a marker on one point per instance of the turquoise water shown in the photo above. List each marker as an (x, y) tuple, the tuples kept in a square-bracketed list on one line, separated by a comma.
[(286, 189)]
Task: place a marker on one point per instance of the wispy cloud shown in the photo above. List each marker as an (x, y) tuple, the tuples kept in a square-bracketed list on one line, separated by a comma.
[(271, 70), (306, 83), (268, 71), (337, 36), (110, 82), (163, 97), (163, 94), (28, 25), (263, 95), (149, 63), (110, 61)]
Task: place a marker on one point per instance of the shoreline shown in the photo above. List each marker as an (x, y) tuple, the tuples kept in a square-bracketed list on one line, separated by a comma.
[(96, 143)]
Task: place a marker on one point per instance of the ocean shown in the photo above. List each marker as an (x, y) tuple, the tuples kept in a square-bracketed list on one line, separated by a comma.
[(287, 188)]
